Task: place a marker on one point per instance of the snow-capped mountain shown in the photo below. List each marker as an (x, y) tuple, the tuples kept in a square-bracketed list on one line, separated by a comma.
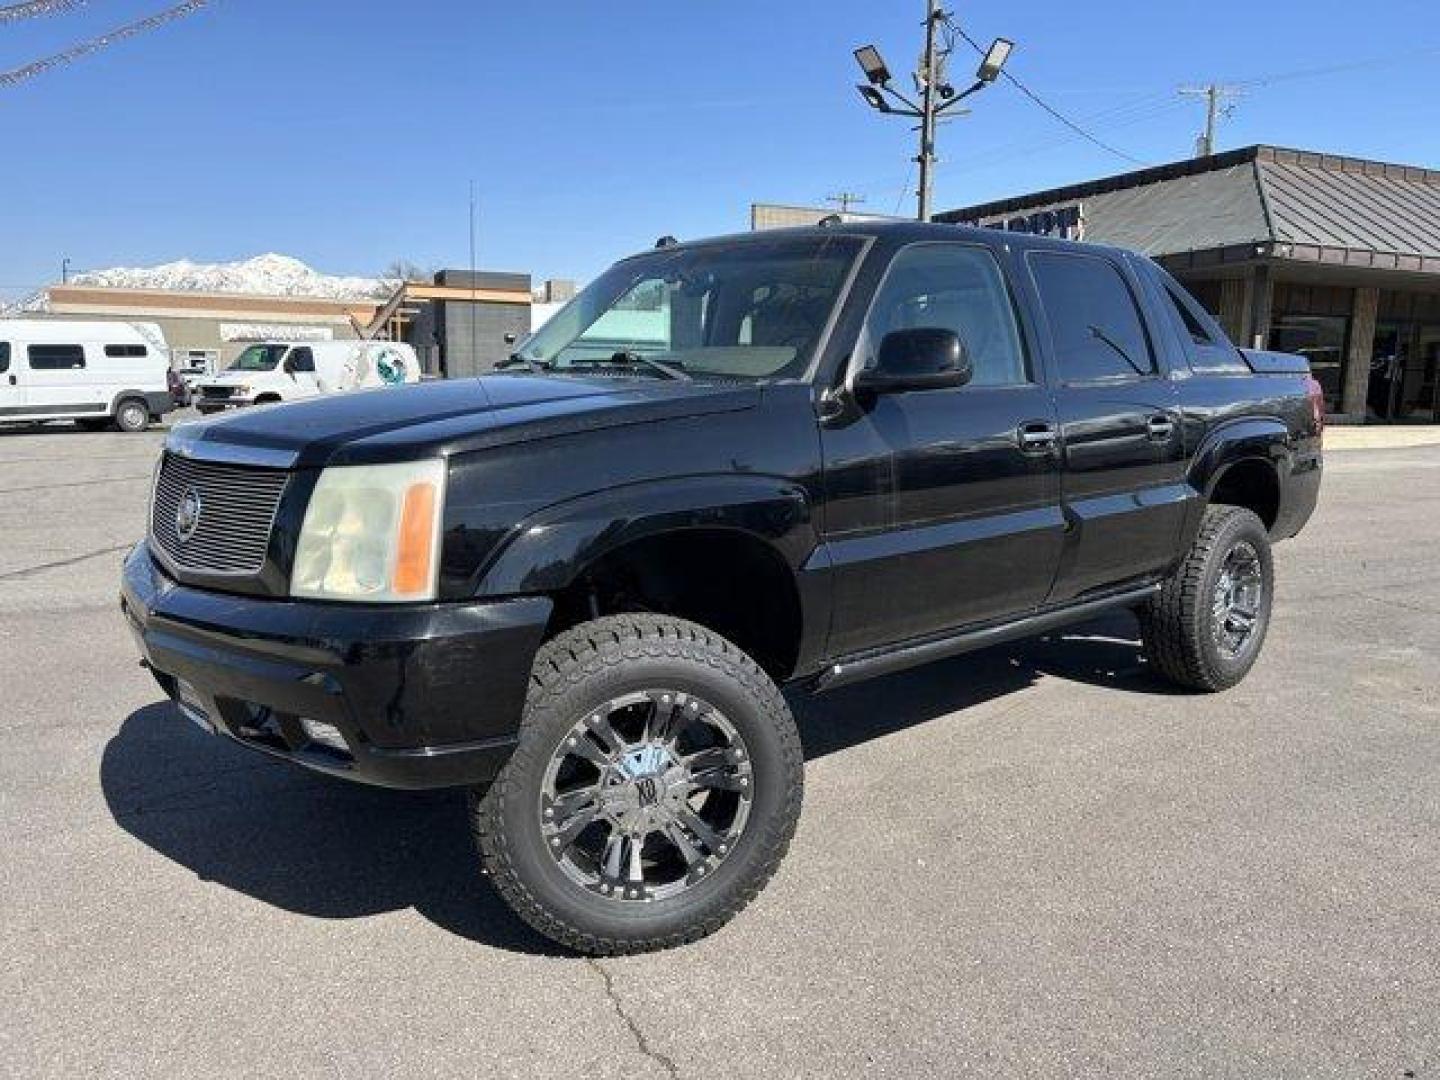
[(266, 275)]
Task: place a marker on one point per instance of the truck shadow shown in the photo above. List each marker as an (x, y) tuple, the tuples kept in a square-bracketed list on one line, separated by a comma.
[(330, 849)]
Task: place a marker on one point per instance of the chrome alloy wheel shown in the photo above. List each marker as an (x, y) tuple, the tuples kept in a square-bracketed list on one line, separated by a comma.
[(646, 795), (1238, 599)]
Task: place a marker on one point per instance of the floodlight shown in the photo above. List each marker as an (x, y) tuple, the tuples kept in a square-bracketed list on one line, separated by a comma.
[(995, 57), (871, 62), (874, 98)]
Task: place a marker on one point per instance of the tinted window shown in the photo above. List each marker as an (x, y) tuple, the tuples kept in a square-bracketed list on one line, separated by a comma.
[(954, 287), (302, 360), (1094, 323), (55, 357), (126, 350), (1213, 351), (4, 356)]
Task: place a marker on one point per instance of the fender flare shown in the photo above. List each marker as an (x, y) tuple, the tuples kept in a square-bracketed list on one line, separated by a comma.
[(548, 550), (1257, 438)]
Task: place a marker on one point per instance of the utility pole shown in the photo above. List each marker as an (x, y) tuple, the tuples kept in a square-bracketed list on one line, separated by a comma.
[(936, 93), (926, 158), (1218, 98), (845, 200)]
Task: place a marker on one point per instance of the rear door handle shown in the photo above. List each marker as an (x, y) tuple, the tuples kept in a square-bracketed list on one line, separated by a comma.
[(1037, 436), (1160, 427)]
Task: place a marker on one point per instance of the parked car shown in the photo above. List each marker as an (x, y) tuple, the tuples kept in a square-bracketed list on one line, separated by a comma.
[(275, 371), (577, 586), (98, 374)]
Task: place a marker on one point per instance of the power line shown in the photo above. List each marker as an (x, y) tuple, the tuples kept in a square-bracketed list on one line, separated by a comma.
[(34, 9), (1054, 112), (94, 45)]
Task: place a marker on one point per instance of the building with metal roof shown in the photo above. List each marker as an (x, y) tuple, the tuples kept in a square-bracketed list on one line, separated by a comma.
[(1336, 258)]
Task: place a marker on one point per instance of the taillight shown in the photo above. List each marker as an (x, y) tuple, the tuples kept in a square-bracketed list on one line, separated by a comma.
[(1316, 393)]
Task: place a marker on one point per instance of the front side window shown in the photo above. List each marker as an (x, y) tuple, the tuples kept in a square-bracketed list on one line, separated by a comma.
[(4, 357), (258, 358), (1095, 325), (126, 350), (302, 359), (954, 287), (755, 309), (55, 357)]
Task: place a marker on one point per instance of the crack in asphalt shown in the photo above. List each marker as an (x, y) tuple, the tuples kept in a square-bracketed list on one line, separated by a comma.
[(641, 1042), (19, 575), (75, 484)]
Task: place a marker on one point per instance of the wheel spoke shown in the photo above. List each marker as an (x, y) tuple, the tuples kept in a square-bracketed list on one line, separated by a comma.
[(702, 832), (716, 780), (614, 850), (637, 870), (703, 761), (609, 738), (688, 851), (574, 826)]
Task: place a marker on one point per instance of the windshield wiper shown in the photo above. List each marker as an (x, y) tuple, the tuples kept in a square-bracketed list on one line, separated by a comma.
[(631, 357), (520, 359)]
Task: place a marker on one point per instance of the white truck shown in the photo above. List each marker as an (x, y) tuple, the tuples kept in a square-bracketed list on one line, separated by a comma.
[(273, 371), (97, 374)]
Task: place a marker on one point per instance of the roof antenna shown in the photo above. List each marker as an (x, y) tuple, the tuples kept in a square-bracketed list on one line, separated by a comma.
[(666, 241)]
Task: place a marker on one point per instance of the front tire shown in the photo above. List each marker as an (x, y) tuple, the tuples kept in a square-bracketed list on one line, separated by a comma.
[(1205, 628), (653, 792), (132, 415)]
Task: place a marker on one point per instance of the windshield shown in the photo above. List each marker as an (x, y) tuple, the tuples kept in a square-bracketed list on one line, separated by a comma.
[(258, 358), (748, 310)]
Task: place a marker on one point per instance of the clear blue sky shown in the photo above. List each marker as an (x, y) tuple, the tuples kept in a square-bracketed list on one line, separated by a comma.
[(345, 133)]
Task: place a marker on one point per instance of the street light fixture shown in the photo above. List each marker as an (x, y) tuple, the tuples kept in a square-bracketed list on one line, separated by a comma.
[(874, 98), (938, 95), (873, 64), (995, 57)]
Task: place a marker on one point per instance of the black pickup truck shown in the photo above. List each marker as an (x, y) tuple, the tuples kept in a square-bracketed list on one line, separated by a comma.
[(791, 459)]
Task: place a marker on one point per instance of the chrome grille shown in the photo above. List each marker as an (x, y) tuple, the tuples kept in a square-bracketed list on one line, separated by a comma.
[(237, 512)]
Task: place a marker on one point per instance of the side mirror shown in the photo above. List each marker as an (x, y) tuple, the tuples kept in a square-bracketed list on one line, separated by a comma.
[(924, 358), (510, 338), (288, 366)]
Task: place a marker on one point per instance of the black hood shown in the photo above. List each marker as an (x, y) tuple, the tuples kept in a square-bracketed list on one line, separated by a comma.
[(446, 417)]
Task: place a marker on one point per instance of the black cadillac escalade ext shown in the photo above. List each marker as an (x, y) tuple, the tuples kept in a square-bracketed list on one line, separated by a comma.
[(797, 458)]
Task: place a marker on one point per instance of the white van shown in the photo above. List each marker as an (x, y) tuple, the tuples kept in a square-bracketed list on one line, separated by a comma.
[(95, 373), (273, 371)]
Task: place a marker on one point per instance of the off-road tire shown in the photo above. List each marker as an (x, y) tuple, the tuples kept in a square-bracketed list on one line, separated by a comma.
[(1178, 624), (575, 672), (132, 415)]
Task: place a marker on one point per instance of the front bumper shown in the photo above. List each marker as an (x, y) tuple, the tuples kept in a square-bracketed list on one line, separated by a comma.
[(423, 696), (208, 405)]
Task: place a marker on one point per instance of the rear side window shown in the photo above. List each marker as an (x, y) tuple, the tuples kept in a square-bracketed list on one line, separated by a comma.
[(302, 360), (4, 357), (55, 357), (1095, 324), (1212, 351), (126, 350)]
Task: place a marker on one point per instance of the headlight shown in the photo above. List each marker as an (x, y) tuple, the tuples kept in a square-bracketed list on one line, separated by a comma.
[(372, 533)]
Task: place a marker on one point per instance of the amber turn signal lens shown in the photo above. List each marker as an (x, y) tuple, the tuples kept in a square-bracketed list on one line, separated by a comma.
[(414, 556)]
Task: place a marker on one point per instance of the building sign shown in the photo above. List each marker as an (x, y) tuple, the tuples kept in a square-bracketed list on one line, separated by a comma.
[(1064, 222), (274, 332)]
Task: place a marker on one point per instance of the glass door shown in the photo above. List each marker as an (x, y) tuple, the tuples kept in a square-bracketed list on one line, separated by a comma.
[(1414, 387)]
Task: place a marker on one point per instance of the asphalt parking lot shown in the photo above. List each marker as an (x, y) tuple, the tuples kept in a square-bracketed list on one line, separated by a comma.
[(1031, 861)]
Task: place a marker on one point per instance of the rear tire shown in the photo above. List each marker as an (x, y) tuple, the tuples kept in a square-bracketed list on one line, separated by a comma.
[(1205, 628), (132, 415), (656, 728)]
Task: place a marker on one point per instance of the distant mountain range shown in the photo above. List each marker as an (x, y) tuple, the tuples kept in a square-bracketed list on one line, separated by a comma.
[(265, 275)]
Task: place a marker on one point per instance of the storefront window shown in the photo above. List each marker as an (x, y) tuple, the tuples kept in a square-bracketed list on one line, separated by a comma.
[(1403, 372), (1321, 340)]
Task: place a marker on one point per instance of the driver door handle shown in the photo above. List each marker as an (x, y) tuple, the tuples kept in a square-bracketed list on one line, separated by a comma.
[(1160, 427), (1038, 436)]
